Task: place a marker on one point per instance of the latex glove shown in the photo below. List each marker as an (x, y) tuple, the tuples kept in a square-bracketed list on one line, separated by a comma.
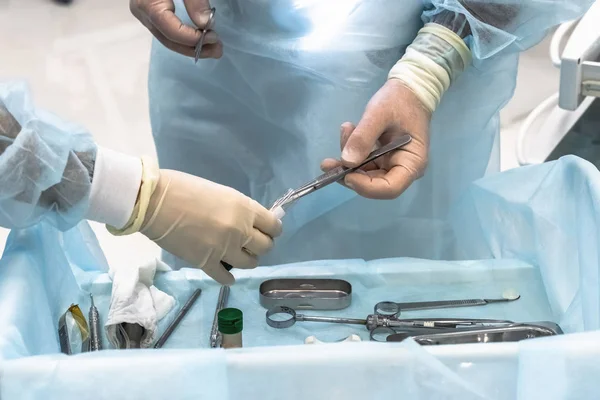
[(392, 112), (159, 17), (403, 105), (203, 223)]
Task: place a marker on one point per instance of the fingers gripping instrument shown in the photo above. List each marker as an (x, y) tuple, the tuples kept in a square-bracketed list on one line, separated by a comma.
[(333, 176)]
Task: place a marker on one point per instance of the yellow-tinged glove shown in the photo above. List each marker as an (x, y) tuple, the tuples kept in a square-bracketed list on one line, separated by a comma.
[(202, 222)]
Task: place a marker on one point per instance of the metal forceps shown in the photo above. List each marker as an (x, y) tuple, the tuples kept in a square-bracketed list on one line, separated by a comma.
[(392, 309), (282, 317), (337, 174), (208, 26)]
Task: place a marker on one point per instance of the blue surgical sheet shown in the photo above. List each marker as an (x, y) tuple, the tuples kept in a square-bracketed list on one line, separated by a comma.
[(533, 230)]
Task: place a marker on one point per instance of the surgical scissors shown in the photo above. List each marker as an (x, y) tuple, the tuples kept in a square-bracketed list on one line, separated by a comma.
[(198, 49), (337, 174), (392, 309), (330, 177)]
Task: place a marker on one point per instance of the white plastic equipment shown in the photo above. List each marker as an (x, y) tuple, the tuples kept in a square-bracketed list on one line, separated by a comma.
[(579, 85)]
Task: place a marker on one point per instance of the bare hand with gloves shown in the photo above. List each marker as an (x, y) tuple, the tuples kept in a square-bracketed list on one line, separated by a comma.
[(202, 222), (160, 19), (403, 105)]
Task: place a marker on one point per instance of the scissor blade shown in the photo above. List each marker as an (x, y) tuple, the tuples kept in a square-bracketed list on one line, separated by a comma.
[(340, 172)]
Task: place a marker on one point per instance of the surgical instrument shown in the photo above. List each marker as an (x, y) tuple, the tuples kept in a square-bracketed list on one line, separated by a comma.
[(215, 337), (198, 49), (95, 332), (284, 317), (77, 317), (330, 177), (390, 308), (336, 174), (180, 315), (491, 334)]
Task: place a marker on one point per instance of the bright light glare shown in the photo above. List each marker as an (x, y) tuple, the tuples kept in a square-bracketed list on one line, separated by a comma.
[(328, 19)]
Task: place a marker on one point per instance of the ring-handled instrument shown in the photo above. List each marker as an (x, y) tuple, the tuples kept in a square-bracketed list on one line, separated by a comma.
[(281, 317), (209, 24), (337, 174), (393, 309), (333, 176), (476, 334)]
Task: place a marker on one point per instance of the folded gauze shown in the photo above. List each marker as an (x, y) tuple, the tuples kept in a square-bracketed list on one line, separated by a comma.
[(136, 305)]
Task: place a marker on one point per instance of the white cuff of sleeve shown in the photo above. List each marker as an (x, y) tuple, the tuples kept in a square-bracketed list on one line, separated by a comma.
[(431, 62), (115, 187)]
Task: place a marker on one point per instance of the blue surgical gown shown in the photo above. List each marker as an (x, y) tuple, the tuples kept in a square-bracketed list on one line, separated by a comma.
[(46, 164), (261, 118)]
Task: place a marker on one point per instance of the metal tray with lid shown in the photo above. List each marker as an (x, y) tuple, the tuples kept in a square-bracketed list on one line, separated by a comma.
[(306, 293)]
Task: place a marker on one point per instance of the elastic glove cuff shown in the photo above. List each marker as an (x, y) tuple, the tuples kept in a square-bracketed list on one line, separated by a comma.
[(115, 187), (149, 179), (431, 63)]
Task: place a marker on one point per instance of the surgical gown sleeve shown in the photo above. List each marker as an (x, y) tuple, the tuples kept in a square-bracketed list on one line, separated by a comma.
[(491, 26), (53, 170)]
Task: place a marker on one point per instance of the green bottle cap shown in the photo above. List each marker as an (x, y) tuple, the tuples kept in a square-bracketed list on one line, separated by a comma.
[(230, 321)]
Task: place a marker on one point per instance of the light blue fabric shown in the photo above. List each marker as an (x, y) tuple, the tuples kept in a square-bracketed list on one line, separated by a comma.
[(262, 118), (535, 230), (545, 215), (45, 164)]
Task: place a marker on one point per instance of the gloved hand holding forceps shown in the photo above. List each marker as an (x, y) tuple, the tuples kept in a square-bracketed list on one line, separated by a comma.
[(159, 17)]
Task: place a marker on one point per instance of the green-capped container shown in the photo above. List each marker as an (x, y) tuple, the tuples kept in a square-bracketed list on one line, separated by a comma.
[(230, 322)]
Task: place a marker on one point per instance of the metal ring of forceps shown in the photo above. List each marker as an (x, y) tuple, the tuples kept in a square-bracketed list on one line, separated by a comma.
[(337, 174), (291, 317), (198, 49)]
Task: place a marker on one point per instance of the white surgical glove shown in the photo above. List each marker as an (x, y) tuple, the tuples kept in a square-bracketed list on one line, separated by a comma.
[(201, 222)]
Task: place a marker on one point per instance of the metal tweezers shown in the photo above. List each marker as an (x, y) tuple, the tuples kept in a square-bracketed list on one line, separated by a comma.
[(198, 49), (336, 174)]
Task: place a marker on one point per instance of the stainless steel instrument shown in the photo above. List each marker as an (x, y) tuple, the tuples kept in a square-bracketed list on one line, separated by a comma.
[(390, 308), (208, 27), (182, 313), (509, 333), (336, 174), (330, 177), (215, 337), (95, 331), (284, 317), (71, 319)]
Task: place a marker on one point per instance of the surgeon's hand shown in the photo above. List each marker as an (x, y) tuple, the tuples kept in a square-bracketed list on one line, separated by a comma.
[(160, 19), (205, 223), (392, 112)]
